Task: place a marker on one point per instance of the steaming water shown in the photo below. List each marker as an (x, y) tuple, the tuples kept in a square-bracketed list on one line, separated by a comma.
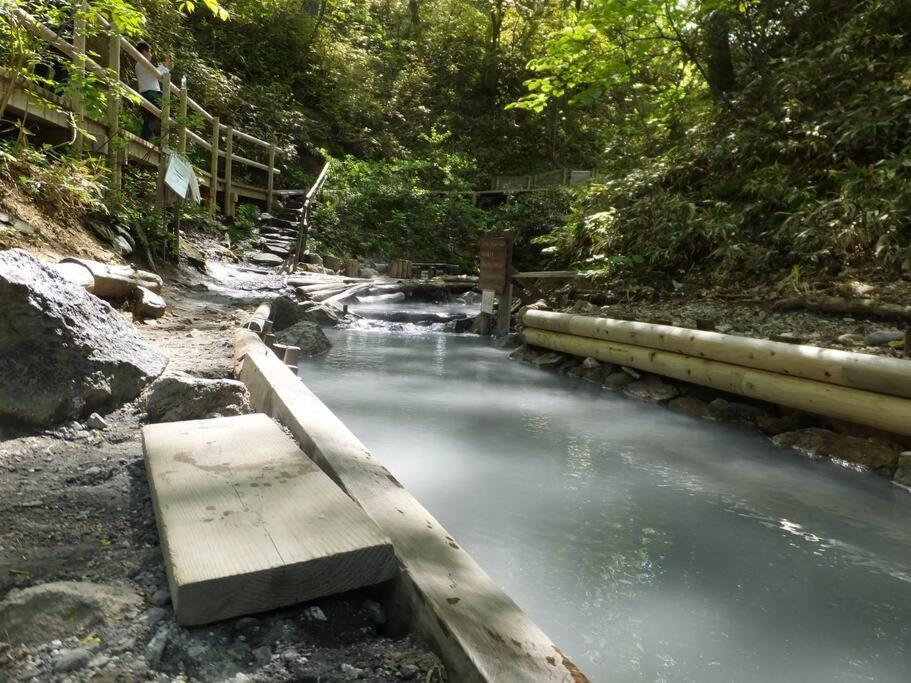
[(651, 546)]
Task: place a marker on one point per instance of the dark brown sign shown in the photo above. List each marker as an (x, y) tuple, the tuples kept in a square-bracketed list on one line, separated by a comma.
[(496, 260)]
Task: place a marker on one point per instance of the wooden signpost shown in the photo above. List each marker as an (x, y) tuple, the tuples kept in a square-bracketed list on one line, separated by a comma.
[(496, 266)]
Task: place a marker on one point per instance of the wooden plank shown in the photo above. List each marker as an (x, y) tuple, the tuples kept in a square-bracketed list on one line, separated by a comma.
[(441, 592), (248, 523)]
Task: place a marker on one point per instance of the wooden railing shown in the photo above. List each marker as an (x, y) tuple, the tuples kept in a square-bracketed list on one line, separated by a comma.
[(111, 76), (538, 181), (306, 209)]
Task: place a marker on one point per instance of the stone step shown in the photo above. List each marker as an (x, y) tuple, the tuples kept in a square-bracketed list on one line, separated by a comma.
[(265, 259)]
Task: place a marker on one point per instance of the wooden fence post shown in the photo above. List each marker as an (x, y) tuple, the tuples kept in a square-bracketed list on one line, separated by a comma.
[(182, 123), (271, 181), (229, 191), (213, 165), (79, 12), (165, 122), (113, 153)]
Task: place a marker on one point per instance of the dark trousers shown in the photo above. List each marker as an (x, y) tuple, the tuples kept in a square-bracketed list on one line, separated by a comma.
[(150, 123)]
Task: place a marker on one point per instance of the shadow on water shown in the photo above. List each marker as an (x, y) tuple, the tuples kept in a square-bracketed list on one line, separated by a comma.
[(648, 544)]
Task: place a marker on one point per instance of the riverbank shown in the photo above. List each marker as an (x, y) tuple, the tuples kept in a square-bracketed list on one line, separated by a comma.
[(76, 509)]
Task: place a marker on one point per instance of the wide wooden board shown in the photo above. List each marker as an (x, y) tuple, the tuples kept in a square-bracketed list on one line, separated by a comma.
[(248, 523)]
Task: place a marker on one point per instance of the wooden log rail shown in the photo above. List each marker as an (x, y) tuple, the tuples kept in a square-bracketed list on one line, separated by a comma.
[(309, 198), (854, 387), (118, 89)]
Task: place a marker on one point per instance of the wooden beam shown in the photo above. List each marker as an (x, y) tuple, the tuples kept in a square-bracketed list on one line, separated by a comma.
[(549, 274), (856, 370), (113, 116), (248, 523), (440, 593), (213, 166), (271, 178), (889, 413), (229, 159)]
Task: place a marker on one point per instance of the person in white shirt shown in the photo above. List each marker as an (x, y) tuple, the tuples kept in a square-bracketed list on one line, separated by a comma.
[(149, 87)]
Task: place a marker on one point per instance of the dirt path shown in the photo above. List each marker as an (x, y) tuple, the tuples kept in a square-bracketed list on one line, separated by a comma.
[(75, 506)]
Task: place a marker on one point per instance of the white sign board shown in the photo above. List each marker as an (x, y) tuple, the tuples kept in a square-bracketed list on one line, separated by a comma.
[(487, 301), (180, 177)]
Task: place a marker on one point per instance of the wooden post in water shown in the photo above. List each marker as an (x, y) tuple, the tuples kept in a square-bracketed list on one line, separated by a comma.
[(213, 166), (113, 114), (496, 269), (79, 12), (271, 180), (163, 138), (229, 190)]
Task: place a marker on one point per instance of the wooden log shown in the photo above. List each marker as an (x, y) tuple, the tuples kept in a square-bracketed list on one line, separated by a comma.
[(351, 267), (347, 294), (844, 368), (270, 181), (248, 523), (257, 321), (117, 282), (440, 593), (889, 413), (846, 306), (147, 304), (77, 274)]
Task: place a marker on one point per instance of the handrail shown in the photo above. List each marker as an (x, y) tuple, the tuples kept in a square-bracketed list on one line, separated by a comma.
[(46, 34), (318, 183)]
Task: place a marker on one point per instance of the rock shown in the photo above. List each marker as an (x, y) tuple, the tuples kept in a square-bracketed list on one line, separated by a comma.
[(408, 670), (568, 364), (523, 353), (95, 421), (284, 313), (161, 597), (246, 624), (148, 304), (776, 424), (265, 259), (314, 612), (312, 257), (182, 397), (57, 610), (724, 328), (72, 660), (593, 375), (617, 380), (550, 359), (376, 612), (850, 340), (156, 614), (878, 454), (651, 388), (577, 371), (321, 314), (64, 353), (306, 335), (722, 409), (582, 307), (156, 646), (591, 363), (903, 471), (883, 337), (125, 234), (471, 297), (690, 406), (262, 655), (367, 272), (507, 341), (121, 246), (350, 671), (635, 374)]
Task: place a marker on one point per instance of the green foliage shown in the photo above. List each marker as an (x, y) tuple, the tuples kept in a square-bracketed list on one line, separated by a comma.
[(389, 209)]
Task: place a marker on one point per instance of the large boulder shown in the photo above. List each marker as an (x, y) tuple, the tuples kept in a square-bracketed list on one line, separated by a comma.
[(64, 353), (306, 335), (182, 397), (284, 313), (47, 611)]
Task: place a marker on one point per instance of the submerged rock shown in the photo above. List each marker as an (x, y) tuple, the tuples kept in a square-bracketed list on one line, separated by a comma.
[(878, 454), (651, 388), (47, 611), (182, 397), (306, 335), (903, 472), (64, 353), (690, 406)]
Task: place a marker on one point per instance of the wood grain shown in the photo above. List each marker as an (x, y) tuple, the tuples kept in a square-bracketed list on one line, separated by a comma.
[(248, 523)]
